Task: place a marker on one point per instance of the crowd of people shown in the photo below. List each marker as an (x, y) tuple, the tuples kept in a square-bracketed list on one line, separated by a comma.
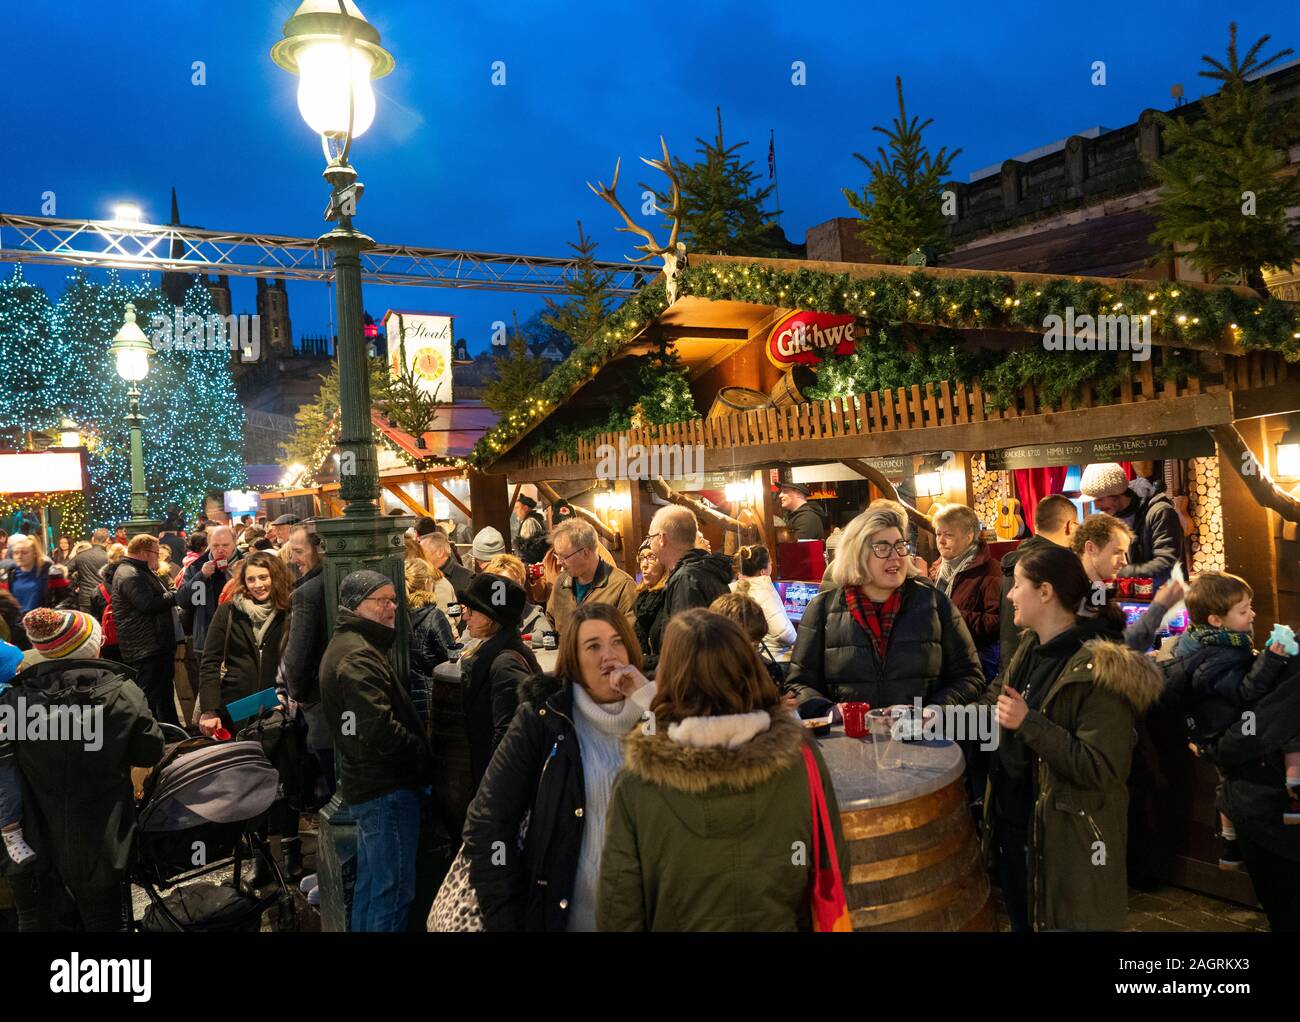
[(657, 776)]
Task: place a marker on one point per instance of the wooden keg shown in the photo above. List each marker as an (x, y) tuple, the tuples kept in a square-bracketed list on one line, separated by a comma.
[(915, 861), (737, 399), (793, 386)]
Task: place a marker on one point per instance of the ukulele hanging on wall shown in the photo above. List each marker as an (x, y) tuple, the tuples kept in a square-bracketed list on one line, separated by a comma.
[(1009, 524)]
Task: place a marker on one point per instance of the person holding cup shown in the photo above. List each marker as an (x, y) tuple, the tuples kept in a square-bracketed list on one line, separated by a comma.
[(881, 634), (555, 767)]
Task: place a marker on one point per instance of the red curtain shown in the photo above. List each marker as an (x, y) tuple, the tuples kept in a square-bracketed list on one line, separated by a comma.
[(1033, 484)]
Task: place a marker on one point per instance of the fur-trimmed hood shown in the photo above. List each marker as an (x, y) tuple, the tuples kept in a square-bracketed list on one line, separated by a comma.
[(1132, 676), (697, 768)]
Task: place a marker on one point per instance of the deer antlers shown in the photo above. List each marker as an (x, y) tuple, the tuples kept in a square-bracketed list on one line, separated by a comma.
[(652, 247)]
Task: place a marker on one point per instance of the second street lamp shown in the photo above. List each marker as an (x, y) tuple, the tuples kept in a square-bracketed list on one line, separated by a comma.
[(336, 52), (131, 350)]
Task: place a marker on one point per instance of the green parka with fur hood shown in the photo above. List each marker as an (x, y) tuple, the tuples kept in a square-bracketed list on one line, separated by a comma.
[(1081, 742)]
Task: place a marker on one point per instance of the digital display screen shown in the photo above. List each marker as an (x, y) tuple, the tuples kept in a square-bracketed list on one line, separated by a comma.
[(1133, 613), (795, 596)]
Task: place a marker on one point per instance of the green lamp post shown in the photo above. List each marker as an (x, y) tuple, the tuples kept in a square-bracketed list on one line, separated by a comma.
[(131, 350), (336, 53)]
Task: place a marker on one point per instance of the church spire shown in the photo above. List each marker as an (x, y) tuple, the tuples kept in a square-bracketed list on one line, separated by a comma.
[(174, 283)]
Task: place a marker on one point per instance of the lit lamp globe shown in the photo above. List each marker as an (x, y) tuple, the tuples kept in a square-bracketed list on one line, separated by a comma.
[(69, 434), (336, 54), (131, 349)]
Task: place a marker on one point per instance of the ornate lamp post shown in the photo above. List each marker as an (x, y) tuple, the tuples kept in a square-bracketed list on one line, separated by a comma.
[(336, 53), (131, 350)]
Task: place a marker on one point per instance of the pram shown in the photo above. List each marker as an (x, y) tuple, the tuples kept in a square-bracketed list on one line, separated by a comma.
[(203, 809)]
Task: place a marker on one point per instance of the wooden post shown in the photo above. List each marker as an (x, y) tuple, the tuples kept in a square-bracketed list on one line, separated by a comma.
[(488, 501), (769, 507), (633, 522)]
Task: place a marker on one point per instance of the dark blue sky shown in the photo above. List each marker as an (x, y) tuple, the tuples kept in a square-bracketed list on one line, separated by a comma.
[(99, 107)]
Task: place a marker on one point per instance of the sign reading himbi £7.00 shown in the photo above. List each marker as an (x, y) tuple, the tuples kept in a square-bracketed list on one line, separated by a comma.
[(427, 340), (808, 337)]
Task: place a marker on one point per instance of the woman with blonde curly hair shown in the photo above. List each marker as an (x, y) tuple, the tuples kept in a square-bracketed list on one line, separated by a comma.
[(431, 637)]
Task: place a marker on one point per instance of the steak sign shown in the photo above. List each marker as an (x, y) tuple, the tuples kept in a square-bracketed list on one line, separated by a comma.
[(808, 337)]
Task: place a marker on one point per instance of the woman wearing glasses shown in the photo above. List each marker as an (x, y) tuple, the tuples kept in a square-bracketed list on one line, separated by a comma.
[(882, 635)]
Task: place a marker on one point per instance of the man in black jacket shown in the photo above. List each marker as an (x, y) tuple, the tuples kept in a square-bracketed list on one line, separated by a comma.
[(1055, 521), (85, 569), (695, 578), (804, 519), (384, 760), (437, 547), (1157, 530), (147, 626)]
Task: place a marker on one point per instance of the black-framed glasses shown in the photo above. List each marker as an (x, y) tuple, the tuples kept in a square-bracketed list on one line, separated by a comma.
[(883, 549), (652, 535), (388, 601)]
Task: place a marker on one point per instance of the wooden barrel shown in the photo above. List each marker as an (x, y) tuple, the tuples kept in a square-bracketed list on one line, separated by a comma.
[(737, 399), (793, 386), (915, 862)]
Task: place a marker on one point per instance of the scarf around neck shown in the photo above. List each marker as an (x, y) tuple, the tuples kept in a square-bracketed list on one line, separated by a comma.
[(1208, 635), (949, 570), (261, 614)]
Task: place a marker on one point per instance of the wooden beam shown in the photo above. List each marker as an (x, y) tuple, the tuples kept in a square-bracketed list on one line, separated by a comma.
[(702, 512), (1267, 493), (514, 494), (335, 505), (1278, 399), (402, 495), (918, 518), (548, 491), (452, 498)]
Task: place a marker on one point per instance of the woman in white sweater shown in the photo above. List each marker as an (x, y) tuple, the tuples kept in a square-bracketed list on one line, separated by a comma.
[(754, 566)]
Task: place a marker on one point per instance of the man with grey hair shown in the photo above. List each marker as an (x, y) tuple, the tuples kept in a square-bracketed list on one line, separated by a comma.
[(199, 589), (586, 577), (695, 578), (437, 548)]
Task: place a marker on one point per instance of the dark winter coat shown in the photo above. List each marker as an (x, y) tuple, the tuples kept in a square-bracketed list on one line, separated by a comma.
[(699, 837), (1215, 684), (535, 772), (78, 802), (250, 666), (1080, 743), (84, 572), (300, 664), (930, 655), (1158, 539), (1009, 635), (144, 610), (203, 595), (977, 595), (808, 521), (489, 690), (430, 639), (645, 612), (696, 580), (380, 744)]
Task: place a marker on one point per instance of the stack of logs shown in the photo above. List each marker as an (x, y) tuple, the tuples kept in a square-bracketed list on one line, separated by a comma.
[(985, 486), (1206, 508)]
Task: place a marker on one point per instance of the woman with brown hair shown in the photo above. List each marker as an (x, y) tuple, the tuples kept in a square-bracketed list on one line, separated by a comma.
[(555, 768), (714, 803), (649, 593), (246, 638)]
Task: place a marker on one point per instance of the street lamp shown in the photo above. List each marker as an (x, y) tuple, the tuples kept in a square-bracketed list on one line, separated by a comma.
[(336, 53), (131, 350)]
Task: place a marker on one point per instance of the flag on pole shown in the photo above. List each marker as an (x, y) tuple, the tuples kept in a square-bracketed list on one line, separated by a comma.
[(771, 155)]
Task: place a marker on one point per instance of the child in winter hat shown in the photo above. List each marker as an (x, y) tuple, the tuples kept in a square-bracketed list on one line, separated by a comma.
[(61, 635), (11, 791)]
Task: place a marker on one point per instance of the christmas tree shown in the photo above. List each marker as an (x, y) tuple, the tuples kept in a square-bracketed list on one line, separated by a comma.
[(316, 424), (722, 206), (1222, 194), (580, 315), (902, 205), (193, 423), (518, 374)]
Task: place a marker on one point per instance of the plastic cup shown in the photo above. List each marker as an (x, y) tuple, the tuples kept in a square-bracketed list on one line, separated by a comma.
[(855, 719)]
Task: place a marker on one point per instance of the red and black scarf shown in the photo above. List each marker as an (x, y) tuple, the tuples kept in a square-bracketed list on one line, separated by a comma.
[(876, 619)]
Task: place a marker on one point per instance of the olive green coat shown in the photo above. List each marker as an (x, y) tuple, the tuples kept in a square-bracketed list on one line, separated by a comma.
[(1080, 741), (712, 837)]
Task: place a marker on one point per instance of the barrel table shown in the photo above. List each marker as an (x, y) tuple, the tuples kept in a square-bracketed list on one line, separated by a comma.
[(914, 859)]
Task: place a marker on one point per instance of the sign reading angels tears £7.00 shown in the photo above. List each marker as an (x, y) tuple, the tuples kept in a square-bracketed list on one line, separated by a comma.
[(808, 337), (426, 338)]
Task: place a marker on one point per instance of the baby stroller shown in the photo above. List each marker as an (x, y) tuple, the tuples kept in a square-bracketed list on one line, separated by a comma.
[(203, 810)]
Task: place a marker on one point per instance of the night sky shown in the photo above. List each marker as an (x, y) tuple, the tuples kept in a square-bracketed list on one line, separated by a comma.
[(99, 107)]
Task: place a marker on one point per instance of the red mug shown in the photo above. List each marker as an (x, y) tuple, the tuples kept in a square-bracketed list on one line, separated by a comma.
[(855, 719), (221, 734), (1125, 586)]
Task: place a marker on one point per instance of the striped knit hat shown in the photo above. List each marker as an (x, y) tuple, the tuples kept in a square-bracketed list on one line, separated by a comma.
[(63, 634)]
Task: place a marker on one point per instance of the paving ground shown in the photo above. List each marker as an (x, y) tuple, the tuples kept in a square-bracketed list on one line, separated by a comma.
[(1170, 909)]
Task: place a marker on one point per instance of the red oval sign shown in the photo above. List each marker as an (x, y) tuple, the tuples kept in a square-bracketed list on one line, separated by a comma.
[(808, 337)]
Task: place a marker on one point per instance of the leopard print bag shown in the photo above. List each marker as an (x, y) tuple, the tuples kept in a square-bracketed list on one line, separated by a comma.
[(455, 909)]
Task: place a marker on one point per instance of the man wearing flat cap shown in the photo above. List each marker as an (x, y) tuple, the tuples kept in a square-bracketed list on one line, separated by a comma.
[(804, 519), (385, 764), (281, 527), (526, 526)]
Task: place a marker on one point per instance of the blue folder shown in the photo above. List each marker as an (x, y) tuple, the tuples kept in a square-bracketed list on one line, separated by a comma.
[(251, 706)]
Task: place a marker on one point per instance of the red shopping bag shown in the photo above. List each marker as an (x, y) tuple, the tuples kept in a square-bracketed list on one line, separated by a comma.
[(830, 909)]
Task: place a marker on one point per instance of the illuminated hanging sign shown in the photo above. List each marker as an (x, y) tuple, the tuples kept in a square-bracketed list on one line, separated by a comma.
[(427, 341), (42, 472), (808, 337)]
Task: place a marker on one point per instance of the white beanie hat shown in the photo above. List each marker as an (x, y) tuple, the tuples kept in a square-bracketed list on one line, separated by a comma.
[(487, 544), (1105, 479)]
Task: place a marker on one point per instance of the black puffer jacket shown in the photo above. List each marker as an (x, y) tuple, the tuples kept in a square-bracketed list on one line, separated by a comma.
[(695, 581), (930, 653), (808, 521), (78, 811), (1158, 539), (251, 666), (300, 665), (143, 608), (380, 743), (537, 770), (489, 690)]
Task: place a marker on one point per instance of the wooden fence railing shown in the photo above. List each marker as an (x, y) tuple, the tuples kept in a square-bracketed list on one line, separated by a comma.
[(920, 406)]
